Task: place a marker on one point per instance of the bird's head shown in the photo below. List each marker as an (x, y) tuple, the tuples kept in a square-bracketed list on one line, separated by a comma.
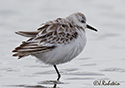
[(80, 20)]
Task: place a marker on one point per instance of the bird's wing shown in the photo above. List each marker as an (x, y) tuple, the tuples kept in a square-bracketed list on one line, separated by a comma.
[(27, 34), (56, 32), (50, 35), (28, 48)]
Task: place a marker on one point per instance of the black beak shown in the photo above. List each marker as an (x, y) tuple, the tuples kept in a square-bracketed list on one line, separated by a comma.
[(90, 27)]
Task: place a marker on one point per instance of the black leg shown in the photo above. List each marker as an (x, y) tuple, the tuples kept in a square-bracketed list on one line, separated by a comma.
[(57, 72)]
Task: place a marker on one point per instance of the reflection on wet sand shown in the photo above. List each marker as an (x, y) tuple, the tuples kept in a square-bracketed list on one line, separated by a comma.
[(40, 84)]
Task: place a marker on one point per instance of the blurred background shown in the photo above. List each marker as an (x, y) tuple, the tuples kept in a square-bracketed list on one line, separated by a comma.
[(102, 59)]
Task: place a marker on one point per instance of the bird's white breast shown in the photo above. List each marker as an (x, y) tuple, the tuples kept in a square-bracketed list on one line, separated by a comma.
[(65, 52)]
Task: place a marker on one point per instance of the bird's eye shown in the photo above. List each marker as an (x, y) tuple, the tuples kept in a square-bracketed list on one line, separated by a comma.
[(82, 21)]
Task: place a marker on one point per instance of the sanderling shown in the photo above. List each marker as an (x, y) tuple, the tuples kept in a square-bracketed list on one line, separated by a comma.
[(55, 42)]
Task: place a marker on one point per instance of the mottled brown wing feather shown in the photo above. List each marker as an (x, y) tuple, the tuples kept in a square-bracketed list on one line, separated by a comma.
[(58, 31), (46, 38), (26, 49), (27, 34)]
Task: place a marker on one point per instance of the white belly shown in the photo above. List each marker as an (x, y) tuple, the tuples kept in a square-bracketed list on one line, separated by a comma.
[(64, 53)]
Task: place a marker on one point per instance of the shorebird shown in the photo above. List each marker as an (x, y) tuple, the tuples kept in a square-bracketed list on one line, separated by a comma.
[(55, 42)]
